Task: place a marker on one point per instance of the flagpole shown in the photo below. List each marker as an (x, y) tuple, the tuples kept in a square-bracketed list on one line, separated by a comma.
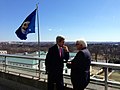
[(38, 39), (38, 31)]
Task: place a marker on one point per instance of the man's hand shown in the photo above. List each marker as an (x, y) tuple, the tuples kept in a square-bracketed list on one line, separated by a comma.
[(65, 48)]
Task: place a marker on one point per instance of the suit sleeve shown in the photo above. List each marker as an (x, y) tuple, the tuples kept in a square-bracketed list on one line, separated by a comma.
[(66, 56), (47, 60)]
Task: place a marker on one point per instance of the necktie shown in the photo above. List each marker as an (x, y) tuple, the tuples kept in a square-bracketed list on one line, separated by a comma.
[(60, 51)]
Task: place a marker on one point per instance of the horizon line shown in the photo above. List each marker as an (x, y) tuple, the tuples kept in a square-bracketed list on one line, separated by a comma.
[(55, 41)]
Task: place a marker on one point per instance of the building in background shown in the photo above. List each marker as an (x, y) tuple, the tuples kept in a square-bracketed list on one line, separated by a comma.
[(3, 52)]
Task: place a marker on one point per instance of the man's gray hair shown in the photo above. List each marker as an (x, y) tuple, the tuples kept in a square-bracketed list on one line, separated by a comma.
[(82, 42), (59, 39)]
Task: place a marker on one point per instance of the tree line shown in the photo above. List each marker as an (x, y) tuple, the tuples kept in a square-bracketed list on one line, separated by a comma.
[(108, 52)]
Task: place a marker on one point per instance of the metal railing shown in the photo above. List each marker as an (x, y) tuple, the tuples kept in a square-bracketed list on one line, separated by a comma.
[(105, 67), (10, 64)]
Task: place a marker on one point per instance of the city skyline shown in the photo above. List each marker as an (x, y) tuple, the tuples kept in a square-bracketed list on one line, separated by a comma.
[(93, 20)]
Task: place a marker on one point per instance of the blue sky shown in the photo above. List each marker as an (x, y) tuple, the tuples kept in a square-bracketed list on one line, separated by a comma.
[(93, 20)]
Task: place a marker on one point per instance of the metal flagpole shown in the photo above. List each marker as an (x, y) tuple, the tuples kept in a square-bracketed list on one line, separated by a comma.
[(38, 30), (38, 39)]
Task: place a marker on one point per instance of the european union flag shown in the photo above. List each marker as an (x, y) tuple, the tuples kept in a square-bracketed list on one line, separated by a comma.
[(28, 26)]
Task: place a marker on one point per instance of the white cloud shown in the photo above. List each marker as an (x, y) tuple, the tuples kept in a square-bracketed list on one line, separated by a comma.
[(50, 29)]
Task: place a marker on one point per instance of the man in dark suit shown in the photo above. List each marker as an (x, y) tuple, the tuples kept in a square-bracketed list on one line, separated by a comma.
[(80, 66), (54, 63)]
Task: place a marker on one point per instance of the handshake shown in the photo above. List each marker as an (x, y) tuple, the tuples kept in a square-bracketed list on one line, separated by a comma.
[(69, 64)]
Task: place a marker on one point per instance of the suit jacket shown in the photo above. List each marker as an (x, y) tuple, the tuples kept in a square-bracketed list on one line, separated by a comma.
[(80, 67), (53, 60)]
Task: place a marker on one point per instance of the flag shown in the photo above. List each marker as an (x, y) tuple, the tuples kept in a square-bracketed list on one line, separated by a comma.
[(28, 26)]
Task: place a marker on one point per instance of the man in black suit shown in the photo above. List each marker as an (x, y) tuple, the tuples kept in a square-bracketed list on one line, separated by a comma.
[(54, 63), (80, 66)]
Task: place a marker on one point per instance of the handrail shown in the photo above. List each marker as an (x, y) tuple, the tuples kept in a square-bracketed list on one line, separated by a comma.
[(19, 56), (6, 64), (105, 67), (108, 65)]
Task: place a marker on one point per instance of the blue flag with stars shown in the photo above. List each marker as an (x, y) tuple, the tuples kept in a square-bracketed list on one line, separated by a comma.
[(28, 26)]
